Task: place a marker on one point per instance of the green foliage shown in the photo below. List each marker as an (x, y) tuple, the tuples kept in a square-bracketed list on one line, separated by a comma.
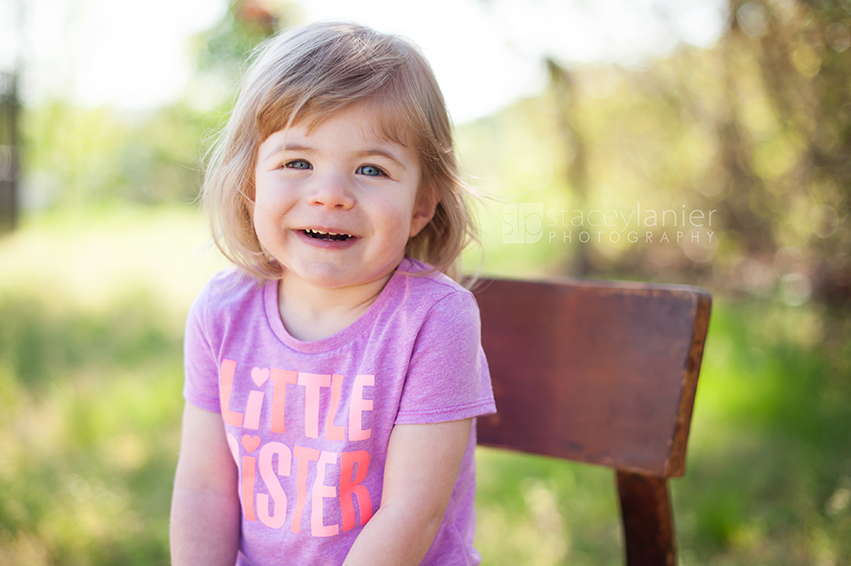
[(222, 49), (756, 128), (90, 384), (772, 399), (75, 157), (90, 406)]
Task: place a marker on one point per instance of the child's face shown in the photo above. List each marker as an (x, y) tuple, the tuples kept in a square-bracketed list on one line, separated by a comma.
[(337, 205)]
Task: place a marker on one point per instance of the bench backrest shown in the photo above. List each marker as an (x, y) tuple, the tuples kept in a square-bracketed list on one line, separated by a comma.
[(598, 372)]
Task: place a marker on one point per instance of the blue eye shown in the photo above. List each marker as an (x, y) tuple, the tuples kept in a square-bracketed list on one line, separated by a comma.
[(298, 164), (370, 170)]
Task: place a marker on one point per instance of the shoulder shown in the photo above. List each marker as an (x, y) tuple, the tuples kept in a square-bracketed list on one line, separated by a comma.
[(429, 282), (438, 296), (447, 376), (227, 292)]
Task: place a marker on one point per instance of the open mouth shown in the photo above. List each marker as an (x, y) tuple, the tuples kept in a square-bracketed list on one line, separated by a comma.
[(327, 236)]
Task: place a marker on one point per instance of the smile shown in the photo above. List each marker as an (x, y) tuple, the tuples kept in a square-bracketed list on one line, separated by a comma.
[(327, 236)]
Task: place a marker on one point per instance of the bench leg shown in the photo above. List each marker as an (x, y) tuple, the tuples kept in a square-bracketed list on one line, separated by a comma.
[(647, 520)]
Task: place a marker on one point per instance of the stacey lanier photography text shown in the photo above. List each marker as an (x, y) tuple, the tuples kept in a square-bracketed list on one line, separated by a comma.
[(528, 223)]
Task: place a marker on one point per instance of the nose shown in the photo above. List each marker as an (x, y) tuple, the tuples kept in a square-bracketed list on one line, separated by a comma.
[(331, 191)]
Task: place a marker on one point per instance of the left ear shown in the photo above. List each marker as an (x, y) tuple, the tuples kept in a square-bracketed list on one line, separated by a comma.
[(423, 211)]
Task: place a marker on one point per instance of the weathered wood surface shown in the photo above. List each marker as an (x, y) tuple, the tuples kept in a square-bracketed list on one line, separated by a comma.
[(648, 523), (599, 372)]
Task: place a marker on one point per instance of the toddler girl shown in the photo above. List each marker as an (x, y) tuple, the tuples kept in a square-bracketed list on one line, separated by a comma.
[(333, 379)]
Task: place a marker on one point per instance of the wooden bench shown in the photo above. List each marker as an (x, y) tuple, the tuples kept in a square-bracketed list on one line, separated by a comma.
[(603, 373)]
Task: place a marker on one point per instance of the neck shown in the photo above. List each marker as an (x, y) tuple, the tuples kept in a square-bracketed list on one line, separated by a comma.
[(313, 313)]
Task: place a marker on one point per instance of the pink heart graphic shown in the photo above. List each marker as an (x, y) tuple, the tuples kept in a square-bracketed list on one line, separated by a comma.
[(260, 375), (250, 442)]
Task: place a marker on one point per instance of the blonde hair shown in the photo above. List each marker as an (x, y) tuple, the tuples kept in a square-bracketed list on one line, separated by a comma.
[(311, 73)]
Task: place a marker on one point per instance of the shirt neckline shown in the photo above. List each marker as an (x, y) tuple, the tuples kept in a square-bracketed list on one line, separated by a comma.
[(344, 336)]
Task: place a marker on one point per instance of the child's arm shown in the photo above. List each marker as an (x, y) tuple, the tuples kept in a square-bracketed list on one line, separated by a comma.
[(204, 525), (422, 465)]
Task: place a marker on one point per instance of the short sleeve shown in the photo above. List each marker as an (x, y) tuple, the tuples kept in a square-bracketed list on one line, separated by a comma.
[(448, 376), (201, 383)]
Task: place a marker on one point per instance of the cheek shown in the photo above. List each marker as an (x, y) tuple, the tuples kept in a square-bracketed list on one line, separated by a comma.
[(262, 226), (271, 195), (267, 212), (389, 221)]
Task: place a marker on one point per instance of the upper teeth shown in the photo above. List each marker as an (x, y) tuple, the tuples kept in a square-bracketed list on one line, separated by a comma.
[(324, 233)]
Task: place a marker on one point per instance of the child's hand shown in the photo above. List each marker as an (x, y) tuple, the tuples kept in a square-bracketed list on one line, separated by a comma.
[(419, 476)]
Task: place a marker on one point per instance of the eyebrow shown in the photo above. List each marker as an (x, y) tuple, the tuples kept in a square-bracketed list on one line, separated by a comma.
[(290, 147), (381, 152)]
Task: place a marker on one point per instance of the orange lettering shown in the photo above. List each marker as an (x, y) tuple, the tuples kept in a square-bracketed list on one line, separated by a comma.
[(248, 475), (226, 380), (320, 491), (350, 486), (312, 383), (278, 517), (304, 455), (280, 378), (357, 407), (333, 432), (252, 410)]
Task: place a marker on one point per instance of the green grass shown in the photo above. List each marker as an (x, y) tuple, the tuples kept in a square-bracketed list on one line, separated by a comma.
[(91, 319)]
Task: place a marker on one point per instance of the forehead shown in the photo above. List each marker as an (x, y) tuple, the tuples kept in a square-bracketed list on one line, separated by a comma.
[(379, 118)]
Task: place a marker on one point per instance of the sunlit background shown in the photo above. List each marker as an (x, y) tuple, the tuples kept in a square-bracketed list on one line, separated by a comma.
[(695, 142)]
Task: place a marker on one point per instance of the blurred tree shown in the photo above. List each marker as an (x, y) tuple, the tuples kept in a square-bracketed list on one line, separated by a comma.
[(564, 86), (786, 148), (757, 127), (78, 157), (9, 150), (222, 50)]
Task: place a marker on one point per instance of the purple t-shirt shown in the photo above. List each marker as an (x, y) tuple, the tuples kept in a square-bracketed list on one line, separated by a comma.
[(308, 422)]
